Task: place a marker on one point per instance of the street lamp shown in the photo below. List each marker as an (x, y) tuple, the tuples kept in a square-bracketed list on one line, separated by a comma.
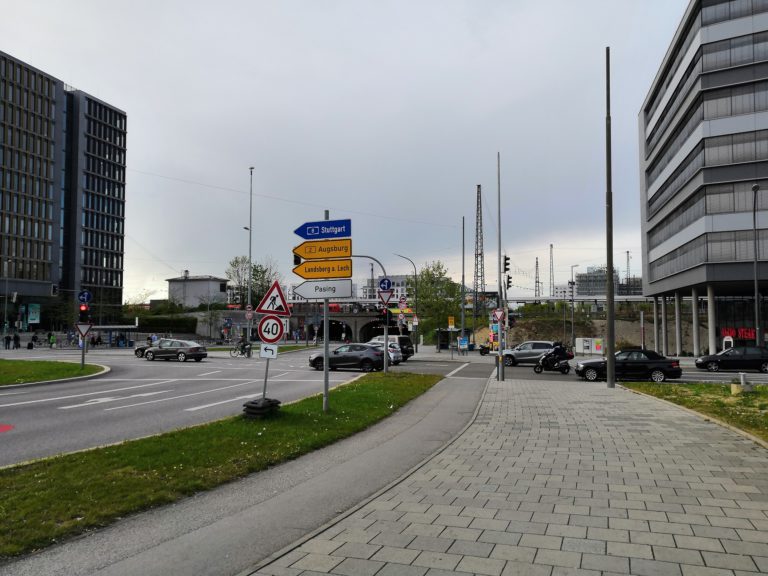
[(573, 289), (758, 335), (416, 300), (250, 259)]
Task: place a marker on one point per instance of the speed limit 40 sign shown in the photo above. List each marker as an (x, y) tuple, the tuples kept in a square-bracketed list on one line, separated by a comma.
[(271, 329)]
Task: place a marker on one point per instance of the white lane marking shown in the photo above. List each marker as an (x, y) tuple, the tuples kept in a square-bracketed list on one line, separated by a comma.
[(251, 382), (208, 373), (222, 402), (94, 401), (279, 375), (86, 394), (457, 369)]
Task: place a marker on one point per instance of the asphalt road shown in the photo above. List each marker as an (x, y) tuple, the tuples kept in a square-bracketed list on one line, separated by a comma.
[(140, 398)]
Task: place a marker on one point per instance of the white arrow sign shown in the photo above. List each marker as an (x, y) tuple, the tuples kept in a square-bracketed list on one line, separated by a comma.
[(319, 289), (268, 351)]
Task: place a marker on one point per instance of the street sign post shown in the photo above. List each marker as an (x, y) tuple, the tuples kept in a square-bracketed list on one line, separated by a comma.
[(385, 284), (274, 302), (498, 314), (322, 249), (319, 289), (317, 269), (84, 296), (268, 351), (385, 295), (83, 328), (325, 229)]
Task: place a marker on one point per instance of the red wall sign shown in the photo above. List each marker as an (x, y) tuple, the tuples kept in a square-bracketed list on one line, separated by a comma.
[(739, 333)]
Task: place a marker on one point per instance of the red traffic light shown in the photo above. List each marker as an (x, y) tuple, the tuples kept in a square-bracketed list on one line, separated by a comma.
[(83, 307)]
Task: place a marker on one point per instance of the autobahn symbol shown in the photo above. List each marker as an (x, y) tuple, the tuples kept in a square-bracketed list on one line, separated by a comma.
[(270, 329)]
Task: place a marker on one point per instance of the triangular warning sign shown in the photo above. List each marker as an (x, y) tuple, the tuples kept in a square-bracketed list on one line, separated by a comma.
[(274, 302), (385, 296)]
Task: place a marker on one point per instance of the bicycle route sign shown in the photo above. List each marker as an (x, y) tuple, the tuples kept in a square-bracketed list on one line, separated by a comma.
[(270, 329)]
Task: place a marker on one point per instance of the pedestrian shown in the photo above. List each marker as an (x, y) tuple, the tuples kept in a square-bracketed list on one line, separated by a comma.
[(149, 340), (16, 341), (154, 339), (7, 341), (52, 340)]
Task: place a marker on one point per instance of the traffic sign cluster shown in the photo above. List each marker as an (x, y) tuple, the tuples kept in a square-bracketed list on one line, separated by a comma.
[(324, 259)]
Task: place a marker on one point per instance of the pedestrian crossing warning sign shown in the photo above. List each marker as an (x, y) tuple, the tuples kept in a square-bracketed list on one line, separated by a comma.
[(274, 302)]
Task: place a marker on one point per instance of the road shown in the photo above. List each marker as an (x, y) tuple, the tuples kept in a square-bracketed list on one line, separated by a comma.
[(140, 398)]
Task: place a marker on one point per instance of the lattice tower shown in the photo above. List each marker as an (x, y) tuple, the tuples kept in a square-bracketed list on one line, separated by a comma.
[(551, 272), (537, 289)]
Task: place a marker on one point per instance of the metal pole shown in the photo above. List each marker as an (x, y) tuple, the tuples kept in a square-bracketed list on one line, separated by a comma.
[(463, 283), (610, 375), (326, 343), (264, 391), (250, 243), (500, 359), (416, 304), (758, 335)]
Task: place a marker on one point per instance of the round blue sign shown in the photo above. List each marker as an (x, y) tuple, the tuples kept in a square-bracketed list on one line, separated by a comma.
[(385, 284), (84, 296)]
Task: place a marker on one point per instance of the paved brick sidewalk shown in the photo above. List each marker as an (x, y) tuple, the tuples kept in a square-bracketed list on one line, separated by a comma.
[(557, 478)]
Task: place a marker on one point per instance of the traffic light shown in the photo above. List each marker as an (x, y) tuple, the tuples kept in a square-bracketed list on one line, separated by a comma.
[(506, 264), (54, 289), (509, 281), (83, 312)]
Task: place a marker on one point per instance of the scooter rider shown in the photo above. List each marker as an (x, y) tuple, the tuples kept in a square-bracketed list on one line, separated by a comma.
[(557, 354)]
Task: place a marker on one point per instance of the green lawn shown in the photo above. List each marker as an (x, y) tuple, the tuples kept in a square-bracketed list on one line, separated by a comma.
[(25, 371), (747, 411), (45, 501)]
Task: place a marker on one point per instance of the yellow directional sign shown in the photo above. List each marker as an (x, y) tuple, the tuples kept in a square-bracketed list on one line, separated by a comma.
[(320, 249), (313, 269)]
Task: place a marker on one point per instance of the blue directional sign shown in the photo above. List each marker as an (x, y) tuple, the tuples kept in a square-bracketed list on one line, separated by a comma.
[(84, 296), (385, 284), (325, 229)]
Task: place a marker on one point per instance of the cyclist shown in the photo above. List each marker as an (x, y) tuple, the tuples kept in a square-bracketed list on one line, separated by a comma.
[(242, 344)]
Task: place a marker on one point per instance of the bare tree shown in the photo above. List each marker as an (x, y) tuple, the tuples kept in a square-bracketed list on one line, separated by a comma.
[(237, 273)]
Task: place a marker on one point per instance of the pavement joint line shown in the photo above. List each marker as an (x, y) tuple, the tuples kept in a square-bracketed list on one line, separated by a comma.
[(344, 515), (450, 374)]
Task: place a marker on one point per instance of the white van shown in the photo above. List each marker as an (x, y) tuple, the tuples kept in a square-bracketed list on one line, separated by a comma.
[(406, 346)]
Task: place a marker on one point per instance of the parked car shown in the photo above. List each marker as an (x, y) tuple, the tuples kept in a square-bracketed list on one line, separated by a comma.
[(406, 346), (527, 352), (139, 350), (181, 350), (366, 357), (737, 358), (395, 354), (633, 364)]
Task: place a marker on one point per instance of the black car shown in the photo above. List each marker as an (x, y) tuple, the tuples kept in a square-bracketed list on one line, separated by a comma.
[(635, 364), (366, 357), (181, 350), (737, 358), (139, 350)]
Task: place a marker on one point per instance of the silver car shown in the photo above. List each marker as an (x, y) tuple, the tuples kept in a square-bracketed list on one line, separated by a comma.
[(527, 352), (395, 354)]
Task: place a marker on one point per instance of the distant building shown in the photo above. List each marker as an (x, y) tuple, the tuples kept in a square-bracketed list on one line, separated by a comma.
[(192, 291), (62, 190), (592, 282)]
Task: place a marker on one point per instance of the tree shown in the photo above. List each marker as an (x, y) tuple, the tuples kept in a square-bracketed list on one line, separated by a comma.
[(439, 297), (237, 273), (263, 274)]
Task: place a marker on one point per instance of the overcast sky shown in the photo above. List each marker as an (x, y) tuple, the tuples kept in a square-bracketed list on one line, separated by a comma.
[(385, 112)]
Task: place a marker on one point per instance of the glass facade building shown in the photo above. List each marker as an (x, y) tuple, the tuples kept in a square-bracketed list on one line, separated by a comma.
[(703, 152), (62, 191)]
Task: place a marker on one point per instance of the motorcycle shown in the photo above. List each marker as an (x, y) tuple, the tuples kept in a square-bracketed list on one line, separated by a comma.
[(551, 362), (484, 350)]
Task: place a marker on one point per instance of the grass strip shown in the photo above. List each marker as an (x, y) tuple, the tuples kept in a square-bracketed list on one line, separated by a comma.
[(747, 411), (25, 371), (46, 501)]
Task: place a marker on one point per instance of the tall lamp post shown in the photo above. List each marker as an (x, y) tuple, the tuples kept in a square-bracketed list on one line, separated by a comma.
[(250, 243), (758, 335), (416, 300), (573, 290)]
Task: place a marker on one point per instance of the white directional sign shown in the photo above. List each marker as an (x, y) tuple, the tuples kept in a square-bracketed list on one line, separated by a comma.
[(319, 289), (268, 351)]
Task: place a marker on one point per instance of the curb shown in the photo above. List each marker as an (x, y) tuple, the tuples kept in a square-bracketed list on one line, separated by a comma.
[(104, 370)]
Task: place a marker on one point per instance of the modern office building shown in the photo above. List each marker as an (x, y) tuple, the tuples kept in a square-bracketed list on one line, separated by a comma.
[(704, 173), (62, 197)]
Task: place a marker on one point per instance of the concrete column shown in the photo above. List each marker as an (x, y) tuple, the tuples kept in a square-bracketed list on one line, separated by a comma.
[(711, 320), (695, 316), (656, 323), (664, 335), (678, 326)]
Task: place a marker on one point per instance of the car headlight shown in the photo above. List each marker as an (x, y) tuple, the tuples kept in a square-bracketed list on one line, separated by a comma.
[(579, 366)]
